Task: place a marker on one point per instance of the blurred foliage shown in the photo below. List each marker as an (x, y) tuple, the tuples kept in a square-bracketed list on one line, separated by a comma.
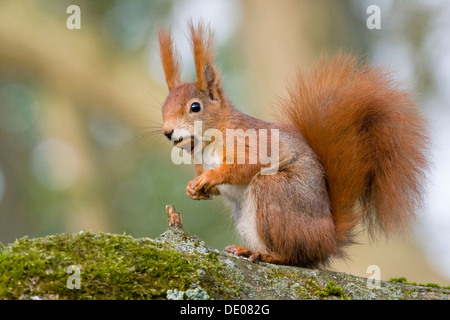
[(39, 199)]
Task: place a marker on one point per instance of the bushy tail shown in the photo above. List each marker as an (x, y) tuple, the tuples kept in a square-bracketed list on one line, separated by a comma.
[(369, 138)]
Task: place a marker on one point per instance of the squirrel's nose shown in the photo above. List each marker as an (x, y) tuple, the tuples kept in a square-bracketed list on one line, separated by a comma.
[(168, 134)]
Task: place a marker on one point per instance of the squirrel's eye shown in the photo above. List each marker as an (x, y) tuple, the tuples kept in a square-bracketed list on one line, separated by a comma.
[(195, 107)]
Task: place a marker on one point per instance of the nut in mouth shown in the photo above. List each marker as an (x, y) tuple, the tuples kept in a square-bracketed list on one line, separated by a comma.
[(186, 143)]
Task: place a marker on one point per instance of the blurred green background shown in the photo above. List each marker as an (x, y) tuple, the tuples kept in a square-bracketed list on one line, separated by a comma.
[(80, 111)]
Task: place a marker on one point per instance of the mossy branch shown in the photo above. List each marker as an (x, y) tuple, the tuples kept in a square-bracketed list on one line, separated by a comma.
[(176, 265)]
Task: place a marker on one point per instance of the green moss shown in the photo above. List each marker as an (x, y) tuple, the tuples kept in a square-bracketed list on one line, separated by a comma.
[(112, 267), (331, 290), (176, 265), (312, 290), (403, 280), (431, 285), (311, 284)]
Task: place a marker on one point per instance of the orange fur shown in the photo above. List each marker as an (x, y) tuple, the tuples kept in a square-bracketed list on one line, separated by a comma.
[(352, 149), (169, 58), (369, 138), (202, 41)]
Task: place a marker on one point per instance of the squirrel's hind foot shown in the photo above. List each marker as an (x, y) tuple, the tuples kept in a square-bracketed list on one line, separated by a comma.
[(254, 256)]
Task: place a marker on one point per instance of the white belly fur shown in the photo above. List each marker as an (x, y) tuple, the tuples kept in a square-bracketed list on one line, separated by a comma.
[(243, 206), (244, 213)]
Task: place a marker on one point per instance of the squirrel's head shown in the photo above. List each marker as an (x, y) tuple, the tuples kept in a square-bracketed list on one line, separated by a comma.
[(193, 101)]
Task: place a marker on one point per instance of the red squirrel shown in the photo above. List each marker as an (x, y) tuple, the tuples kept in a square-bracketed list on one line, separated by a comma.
[(351, 149)]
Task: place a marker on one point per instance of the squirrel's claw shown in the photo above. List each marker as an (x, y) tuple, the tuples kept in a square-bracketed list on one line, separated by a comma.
[(239, 251), (199, 188), (254, 256), (196, 196), (201, 184)]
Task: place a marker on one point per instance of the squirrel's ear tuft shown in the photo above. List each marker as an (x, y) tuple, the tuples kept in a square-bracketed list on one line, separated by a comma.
[(211, 78), (208, 77), (169, 58)]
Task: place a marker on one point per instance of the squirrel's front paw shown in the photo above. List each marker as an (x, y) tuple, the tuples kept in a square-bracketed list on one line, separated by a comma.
[(200, 188), (196, 195)]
